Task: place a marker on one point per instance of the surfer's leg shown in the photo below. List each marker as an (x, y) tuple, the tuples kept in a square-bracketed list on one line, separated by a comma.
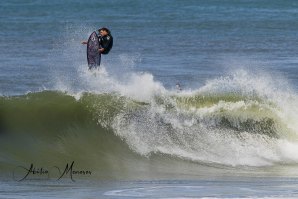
[(98, 60)]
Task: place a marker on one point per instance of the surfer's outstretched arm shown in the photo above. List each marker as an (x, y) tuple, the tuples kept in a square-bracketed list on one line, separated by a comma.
[(84, 42)]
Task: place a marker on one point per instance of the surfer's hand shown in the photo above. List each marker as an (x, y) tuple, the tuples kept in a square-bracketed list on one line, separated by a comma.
[(101, 50), (84, 42)]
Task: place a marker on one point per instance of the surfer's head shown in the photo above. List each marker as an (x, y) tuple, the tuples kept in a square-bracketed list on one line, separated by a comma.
[(104, 31)]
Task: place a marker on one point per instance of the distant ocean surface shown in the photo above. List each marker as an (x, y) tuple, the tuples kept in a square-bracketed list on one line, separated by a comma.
[(231, 131)]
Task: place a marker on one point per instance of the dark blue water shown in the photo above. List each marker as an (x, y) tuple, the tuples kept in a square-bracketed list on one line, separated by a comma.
[(185, 41)]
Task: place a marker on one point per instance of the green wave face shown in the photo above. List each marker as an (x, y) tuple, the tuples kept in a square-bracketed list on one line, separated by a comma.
[(118, 137)]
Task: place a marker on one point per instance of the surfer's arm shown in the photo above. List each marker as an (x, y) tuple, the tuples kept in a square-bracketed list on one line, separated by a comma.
[(84, 42)]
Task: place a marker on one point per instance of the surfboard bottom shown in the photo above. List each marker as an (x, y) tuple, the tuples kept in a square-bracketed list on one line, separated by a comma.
[(94, 61), (93, 56)]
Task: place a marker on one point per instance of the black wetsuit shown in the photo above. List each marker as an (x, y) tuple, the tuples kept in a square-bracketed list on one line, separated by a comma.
[(106, 42)]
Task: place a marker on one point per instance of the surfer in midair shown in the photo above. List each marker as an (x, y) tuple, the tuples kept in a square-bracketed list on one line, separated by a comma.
[(105, 41)]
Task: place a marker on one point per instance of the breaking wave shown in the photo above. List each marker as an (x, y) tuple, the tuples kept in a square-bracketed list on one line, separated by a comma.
[(233, 121)]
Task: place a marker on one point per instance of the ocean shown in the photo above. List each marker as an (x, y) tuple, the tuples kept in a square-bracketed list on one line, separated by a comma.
[(126, 130)]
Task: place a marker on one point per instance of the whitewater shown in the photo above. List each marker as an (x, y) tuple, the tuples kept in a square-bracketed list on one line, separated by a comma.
[(238, 121)]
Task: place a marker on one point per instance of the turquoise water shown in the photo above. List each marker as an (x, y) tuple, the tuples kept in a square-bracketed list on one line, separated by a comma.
[(231, 132)]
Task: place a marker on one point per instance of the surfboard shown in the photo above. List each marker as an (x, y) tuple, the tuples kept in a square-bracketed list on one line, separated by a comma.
[(93, 57)]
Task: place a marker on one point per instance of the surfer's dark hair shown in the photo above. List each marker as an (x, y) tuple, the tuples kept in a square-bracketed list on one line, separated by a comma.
[(105, 29)]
